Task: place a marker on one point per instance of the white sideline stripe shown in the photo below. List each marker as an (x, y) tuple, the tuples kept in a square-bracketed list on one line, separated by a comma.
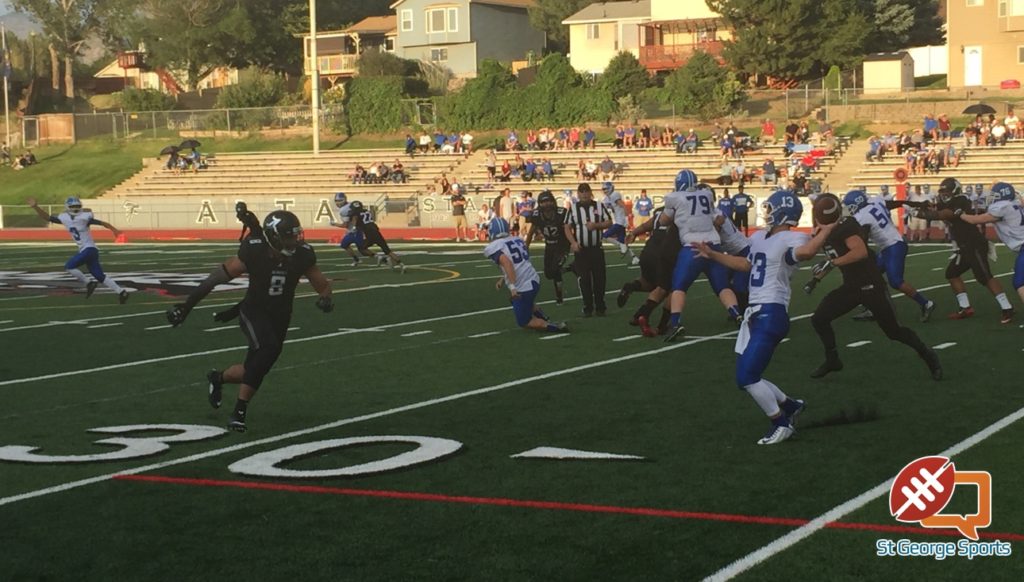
[(221, 328), (345, 422), (944, 346), (554, 336), (165, 326), (7, 321), (416, 333), (485, 334), (104, 325), (939, 269), (627, 338), (858, 344), (838, 512), (293, 329)]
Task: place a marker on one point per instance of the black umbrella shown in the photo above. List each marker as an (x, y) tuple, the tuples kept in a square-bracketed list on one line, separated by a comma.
[(741, 134), (979, 109), (169, 150), (189, 144)]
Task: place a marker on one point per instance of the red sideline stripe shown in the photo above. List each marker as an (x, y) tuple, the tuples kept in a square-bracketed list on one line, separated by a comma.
[(554, 505), (212, 234)]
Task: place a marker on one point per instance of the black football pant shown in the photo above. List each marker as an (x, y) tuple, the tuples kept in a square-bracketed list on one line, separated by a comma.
[(742, 221), (590, 268), (875, 297), (266, 334), (554, 259)]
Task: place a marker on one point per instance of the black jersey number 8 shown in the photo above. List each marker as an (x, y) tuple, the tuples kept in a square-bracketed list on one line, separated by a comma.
[(277, 285)]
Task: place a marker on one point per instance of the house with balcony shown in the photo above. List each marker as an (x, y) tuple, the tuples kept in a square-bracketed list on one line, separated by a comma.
[(338, 50), (459, 34), (604, 29), (676, 30)]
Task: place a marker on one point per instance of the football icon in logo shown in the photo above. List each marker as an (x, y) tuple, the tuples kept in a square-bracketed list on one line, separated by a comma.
[(922, 489)]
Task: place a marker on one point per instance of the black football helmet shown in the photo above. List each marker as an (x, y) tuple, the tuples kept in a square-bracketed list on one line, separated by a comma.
[(282, 231), (949, 188), (545, 197), (356, 206)]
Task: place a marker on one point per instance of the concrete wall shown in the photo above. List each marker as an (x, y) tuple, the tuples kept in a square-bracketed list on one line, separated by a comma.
[(504, 34)]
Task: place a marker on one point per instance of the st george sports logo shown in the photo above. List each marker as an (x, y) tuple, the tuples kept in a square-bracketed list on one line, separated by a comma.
[(919, 494)]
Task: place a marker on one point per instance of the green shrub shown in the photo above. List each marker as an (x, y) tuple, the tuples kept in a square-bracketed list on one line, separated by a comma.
[(145, 100), (261, 89)]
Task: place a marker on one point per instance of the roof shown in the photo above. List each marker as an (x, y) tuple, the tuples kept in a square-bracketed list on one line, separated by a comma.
[(374, 25), (605, 11), (509, 3), (897, 56)]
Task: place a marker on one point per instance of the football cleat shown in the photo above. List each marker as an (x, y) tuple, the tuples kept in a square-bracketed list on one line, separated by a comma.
[(962, 313), (601, 312), (934, 366), (865, 315), (832, 364), (562, 327), (623, 296), (792, 407), (122, 297), (216, 386), (381, 259), (1007, 316), (635, 262), (401, 267), (927, 310), (674, 333), (237, 422), (777, 433), (90, 288), (645, 328), (355, 262), (559, 293)]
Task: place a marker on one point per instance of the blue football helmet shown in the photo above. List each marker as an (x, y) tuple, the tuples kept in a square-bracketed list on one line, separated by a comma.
[(782, 207), (498, 228), (1002, 191), (607, 188), (73, 205), (685, 180), (855, 200), (340, 199)]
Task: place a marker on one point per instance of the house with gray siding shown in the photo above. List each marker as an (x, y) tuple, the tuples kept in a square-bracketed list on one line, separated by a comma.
[(458, 34)]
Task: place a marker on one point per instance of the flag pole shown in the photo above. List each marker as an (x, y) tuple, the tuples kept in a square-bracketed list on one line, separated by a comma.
[(7, 69)]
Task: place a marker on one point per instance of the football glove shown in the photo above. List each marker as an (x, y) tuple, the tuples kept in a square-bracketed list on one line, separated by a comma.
[(325, 304), (821, 269), (228, 314), (809, 287), (177, 314), (958, 212)]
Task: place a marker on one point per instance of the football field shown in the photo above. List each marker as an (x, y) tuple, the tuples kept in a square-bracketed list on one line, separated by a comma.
[(415, 433)]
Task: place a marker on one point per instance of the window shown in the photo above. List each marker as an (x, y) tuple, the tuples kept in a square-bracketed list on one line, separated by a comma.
[(443, 20), (1002, 8), (406, 20), (1020, 55), (389, 44), (593, 31), (975, 2), (438, 55)]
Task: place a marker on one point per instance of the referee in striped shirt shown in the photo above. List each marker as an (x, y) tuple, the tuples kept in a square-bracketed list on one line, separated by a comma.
[(584, 223)]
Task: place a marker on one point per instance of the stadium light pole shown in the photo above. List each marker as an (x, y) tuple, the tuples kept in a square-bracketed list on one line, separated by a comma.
[(315, 80), (6, 73)]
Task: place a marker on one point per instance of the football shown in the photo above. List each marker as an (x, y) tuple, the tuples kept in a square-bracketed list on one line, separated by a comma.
[(922, 489), (827, 209)]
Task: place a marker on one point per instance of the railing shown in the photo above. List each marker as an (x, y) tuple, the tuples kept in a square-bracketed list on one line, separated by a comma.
[(658, 56), (336, 64)]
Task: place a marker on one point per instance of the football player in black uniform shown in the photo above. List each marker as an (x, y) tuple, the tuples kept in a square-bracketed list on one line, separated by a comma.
[(657, 261), (971, 250), (275, 259), (548, 223), (363, 220), (846, 249)]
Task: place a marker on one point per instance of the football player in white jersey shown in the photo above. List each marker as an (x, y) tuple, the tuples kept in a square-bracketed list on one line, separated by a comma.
[(1006, 213), (873, 214), (353, 236), (616, 233), (774, 256), (693, 211), (519, 276), (78, 220)]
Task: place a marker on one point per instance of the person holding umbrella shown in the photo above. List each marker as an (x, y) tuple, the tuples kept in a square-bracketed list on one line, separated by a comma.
[(172, 162)]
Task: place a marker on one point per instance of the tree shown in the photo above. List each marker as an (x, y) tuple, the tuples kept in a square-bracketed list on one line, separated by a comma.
[(794, 39), (704, 88), (66, 26), (547, 15), (623, 76), (901, 24)]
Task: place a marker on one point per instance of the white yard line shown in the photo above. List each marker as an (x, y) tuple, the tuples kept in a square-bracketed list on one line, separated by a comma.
[(627, 338), (23, 298), (944, 346), (858, 344), (221, 328), (98, 326), (554, 336), (6, 321), (842, 510), (416, 333), (166, 326), (485, 334)]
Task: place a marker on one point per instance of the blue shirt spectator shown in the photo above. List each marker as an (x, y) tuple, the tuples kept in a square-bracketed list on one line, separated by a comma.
[(588, 138), (644, 205)]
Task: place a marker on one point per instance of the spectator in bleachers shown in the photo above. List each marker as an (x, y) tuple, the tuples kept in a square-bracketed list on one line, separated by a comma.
[(803, 134), (483, 221), (951, 156), (410, 145), (467, 143), (518, 166), (589, 139), (398, 172), (875, 152), (1012, 123), (574, 138), (547, 170), (725, 173), (791, 130), (562, 139), (931, 128), (667, 137), (630, 141), (933, 161), (491, 164), (644, 139), (358, 175), (590, 171), (620, 137), (608, 169), (768, 172), (5, 155), (444, 186), (450, 146), (506, 172), (439, 140), (690, 143), (945, 131), (997, 134), (529, 172), (767, 136), (531, 140), (544, 139), (512, 141), (910, 160), (739, 172), (425, 142), (728, 145)]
